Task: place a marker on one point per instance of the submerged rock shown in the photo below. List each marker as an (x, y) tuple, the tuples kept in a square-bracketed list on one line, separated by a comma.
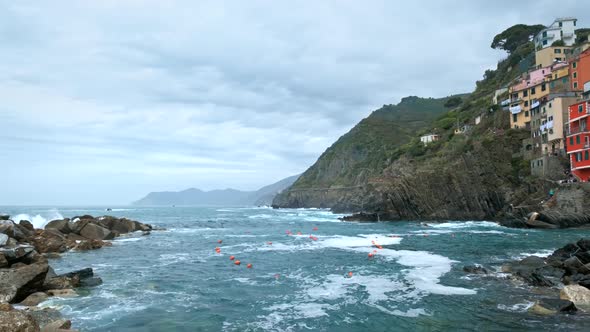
[(552, 306), (475, 269), (68, 292)]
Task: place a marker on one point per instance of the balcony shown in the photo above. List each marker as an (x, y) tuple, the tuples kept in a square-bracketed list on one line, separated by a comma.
[(576, 131)]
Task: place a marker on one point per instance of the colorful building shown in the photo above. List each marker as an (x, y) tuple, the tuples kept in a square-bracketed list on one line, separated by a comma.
[(578, 139), (547, 56), (579, 68), (561, 29), (525, 94)]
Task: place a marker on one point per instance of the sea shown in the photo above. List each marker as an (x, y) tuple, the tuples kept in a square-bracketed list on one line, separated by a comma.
[(309, 272)]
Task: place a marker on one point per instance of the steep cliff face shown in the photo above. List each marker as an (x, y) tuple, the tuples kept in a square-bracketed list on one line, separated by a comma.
[(469, 177), (361, 154), (382, 169)]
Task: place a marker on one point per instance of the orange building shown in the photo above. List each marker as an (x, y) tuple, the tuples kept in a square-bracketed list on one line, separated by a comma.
[(580, 70), (578, 140)]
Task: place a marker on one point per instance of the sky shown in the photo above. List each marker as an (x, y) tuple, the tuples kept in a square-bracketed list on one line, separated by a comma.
[(104, 101)]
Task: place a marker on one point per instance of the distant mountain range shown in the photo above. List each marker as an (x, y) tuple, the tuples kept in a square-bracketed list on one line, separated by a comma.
[(225, 197)]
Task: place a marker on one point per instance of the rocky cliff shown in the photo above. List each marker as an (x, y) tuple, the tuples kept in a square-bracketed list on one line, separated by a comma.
[(383, 171)]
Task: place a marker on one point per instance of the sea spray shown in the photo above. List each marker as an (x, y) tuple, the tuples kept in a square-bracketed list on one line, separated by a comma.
[(38, 220)]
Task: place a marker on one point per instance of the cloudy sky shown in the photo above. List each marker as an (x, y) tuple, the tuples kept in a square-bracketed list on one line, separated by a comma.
[(104, 101)]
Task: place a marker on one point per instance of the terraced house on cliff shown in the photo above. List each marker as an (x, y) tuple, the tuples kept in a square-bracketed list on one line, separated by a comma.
[(532, 89), (561, 29)]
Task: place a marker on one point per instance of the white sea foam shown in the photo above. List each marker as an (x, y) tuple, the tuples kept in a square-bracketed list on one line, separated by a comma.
[(39, 221), (519, 307), (539, 253), (464, 224), (363, 240)]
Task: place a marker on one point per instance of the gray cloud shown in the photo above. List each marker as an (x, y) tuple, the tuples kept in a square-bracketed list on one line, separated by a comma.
[(104, 101)]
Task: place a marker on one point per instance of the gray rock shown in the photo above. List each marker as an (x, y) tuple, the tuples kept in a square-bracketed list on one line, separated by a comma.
[(3, 239), (27, 224), (17, 284), (61, 282), (82, 274), (475, 269), (17, 321), (16, 253), (57, 326), (4, 217), (572, 265), (91, 282), (63, 226), (34, 299), (3, 261), (45, 316), (553, 306), (95, 232)]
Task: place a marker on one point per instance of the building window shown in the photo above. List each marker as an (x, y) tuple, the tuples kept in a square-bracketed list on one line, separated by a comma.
[(532, 91), (571, 140), (586, 155), (560, 24), (525, 93), (566, 51), (578, 139), (580, 108), (544, 41), (575, 74), (515, 118), (543, 87), (544, 34), (575, 85), (549, 105), (579, 156), (557, 50), (526, 114), (550, 118), (526, 103), (574, 64)]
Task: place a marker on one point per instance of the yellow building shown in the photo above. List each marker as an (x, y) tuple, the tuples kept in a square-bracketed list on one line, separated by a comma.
[(531, 90), (550, 55)]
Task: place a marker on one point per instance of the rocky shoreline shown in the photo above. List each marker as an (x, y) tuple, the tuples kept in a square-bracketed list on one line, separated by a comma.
[(26, 278), (563, 278)]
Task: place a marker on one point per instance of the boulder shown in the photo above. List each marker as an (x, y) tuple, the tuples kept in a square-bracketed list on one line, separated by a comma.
[(61, 225), (17, 284), (123, 226), (91, 245), (6, 307), (579, 295), (50, 240), (44, 316), (4, 217), (572, 265), (62, 292), (75, 237), (95, 232), (57, 326), (62, 282), (3, 239), (91, 282), (584, 244), (78, 224), (81, 274), (27, 224), (15, 254), (17, 321), (14, 231), (584, 257), (142, 227), (475, 269), (552, 306), (3, 261), (34, 299)]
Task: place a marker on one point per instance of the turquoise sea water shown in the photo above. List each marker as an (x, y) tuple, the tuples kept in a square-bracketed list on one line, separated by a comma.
[(174, 280)]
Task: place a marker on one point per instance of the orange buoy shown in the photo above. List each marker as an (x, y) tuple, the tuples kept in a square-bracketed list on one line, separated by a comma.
[(350, 274), (314, 238), (375, 250), (237, 262), (231, 258), (219, 241), (371, 255), (298, 233), (315, 228), (269, 243), (249, 265)]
